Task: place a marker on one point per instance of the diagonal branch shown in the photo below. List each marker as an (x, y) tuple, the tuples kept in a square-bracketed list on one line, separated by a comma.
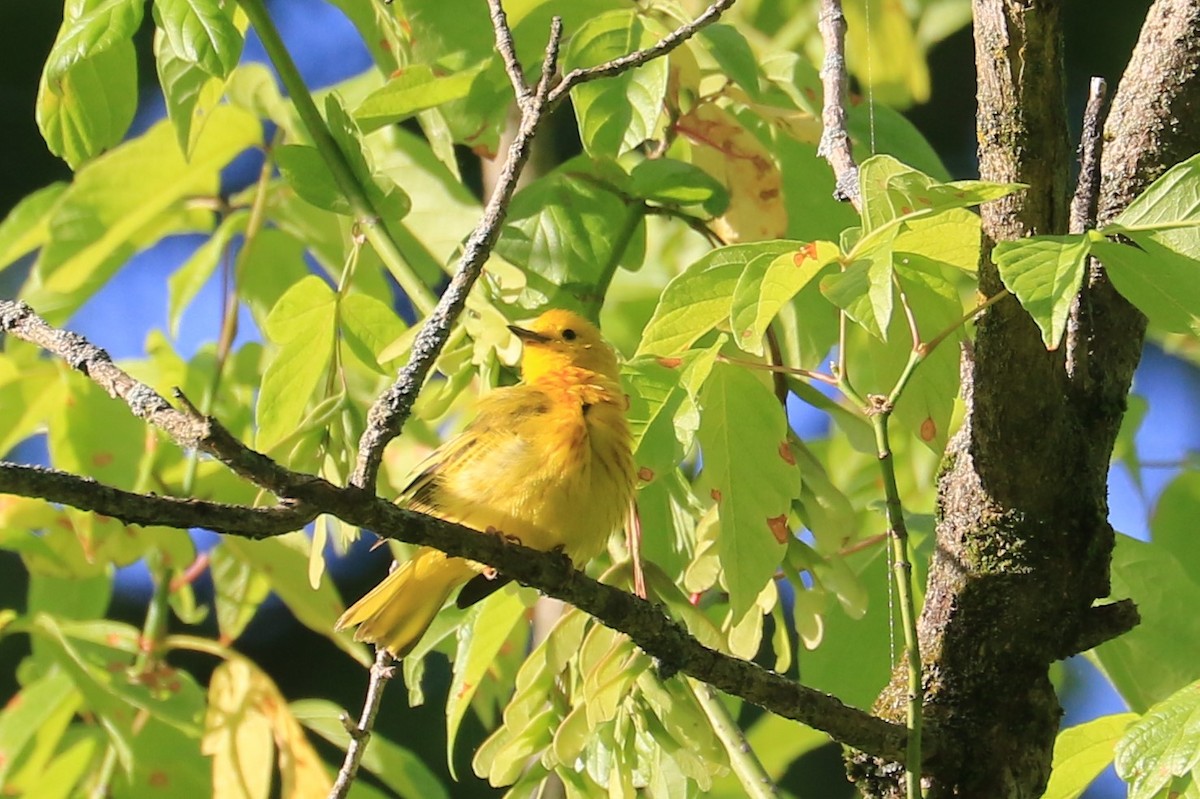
[(659, 635), (635, 59), (389, 412), (148, 509), (188, 428)]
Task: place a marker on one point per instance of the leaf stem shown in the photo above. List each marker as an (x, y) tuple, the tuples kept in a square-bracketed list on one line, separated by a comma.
[(369, 219), (929, 346), (746, 765), (898, 533)]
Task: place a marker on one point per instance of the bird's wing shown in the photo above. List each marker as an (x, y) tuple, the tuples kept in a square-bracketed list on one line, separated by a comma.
[(503, 435)]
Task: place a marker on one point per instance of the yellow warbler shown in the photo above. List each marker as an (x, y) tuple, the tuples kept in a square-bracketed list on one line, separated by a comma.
[(547, 462)]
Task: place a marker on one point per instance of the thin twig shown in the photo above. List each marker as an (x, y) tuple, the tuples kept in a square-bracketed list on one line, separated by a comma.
[(389, 412), (780, 369), (381, 672), (898, 531), (835, 140), (508, 52), (635, 59), (1083, 219), (929, 346)]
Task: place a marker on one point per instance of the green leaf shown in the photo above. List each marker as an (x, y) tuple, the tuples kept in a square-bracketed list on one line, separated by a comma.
[(61, 776), (864, 290), (1171, 200), (1162, 745), (927, 402), (302, 323), (671, 182), (201, 32), (656, 397), (88, 109), (238, 591), (768, 283), (98, 654), (488, 627), (104, 217), (303, 167), (31, 709), (197, 45), (619, 113), (414, 88), (1171, 525), (734, 56), (185, 283), (563, 231), (741, 435), (388, 198), (950, 237), (1082, 752), (1162, 283), (396, 767), (891, 190), (91, 27), (27, 225), (286, 568), (368, 326), (88, 436), (1045, 273), (1147, 664), (699, 298)]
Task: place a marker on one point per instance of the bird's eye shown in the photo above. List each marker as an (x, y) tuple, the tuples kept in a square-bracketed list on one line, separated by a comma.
[(568, 335)]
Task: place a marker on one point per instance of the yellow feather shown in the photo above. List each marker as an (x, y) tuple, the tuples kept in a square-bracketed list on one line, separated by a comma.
[(548, 462)]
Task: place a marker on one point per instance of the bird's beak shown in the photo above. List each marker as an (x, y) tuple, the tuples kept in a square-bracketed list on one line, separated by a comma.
[(528, 336)]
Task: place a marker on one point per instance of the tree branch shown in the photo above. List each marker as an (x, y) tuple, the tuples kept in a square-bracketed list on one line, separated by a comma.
[(189, 429), (148, 509), (635, 59), (389, 412), (835, 140), (549, 572), (1083, 218)]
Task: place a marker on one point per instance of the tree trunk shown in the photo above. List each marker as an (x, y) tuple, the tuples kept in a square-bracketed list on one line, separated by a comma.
[(1023, 541)]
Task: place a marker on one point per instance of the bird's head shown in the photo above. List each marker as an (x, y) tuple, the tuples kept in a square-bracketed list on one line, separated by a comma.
[(559, 339)]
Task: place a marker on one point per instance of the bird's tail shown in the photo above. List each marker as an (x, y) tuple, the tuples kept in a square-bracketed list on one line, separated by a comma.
[(398, 611)]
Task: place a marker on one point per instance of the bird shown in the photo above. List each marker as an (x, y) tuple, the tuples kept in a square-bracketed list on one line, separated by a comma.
[(547, 462)]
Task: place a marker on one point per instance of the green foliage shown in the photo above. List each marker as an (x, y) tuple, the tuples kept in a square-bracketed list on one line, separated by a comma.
[(1151, 252), (739, 516)]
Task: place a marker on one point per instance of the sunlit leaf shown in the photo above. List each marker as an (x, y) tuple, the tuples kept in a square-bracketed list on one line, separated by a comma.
[(1162, 745), (479, 640), (1164, 284), (698, 299), (104, 216), (1045, 274), (1082, 752), (620, 113), (1146, 665), (1169, 201), (415, 88), (725, 149), (768, 283), (27, 225), (744, 473)]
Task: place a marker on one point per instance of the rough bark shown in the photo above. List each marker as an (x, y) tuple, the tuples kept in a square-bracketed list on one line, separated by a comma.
[(1023, 541)]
